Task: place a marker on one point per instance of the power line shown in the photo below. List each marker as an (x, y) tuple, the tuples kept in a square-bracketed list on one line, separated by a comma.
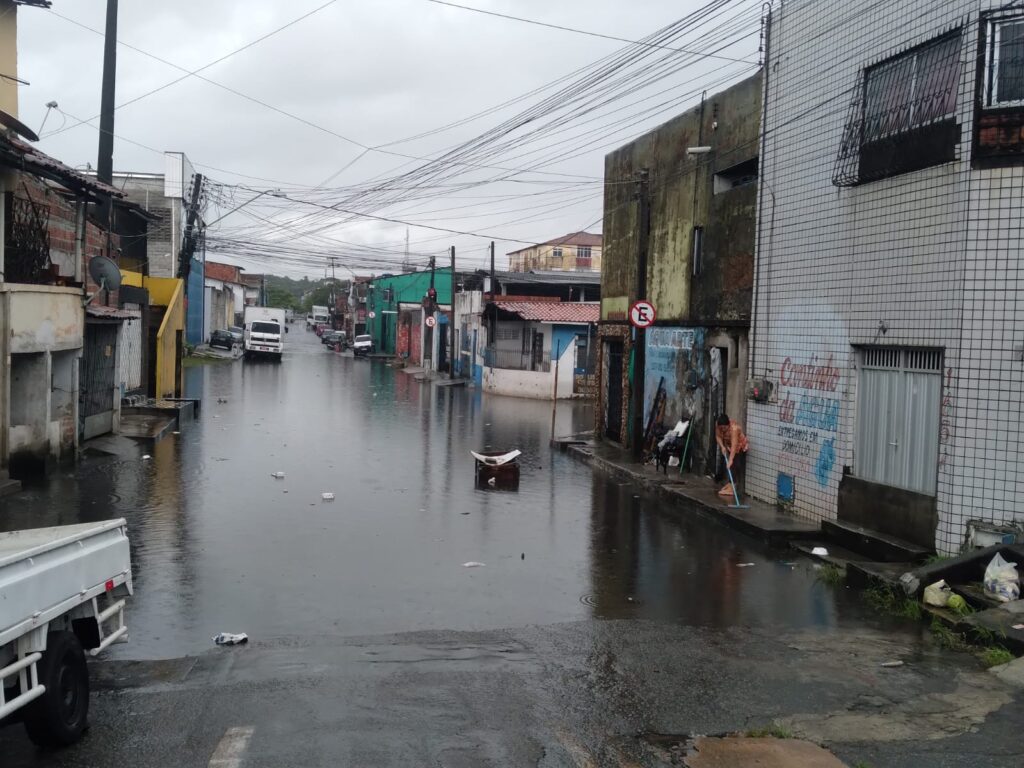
[(580, 31), (195, 72)]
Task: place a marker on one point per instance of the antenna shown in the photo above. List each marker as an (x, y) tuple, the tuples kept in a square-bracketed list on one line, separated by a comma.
[(105, 273)]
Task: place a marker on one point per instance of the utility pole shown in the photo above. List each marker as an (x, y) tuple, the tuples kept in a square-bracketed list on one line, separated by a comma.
[(492, 269), (643, 196), (105, 160), (188, 246), (451, 325)]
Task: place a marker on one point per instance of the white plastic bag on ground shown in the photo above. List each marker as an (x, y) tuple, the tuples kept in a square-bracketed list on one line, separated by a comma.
[(1001, 580), (937, 594)]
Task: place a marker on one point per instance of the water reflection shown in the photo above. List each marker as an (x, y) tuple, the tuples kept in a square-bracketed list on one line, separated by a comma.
[(218, 544)]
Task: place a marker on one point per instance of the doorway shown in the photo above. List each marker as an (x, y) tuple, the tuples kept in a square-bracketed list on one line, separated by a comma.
[(613, 413), (717, 366)]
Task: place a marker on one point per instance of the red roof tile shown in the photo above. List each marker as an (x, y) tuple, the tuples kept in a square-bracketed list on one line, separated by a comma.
[(553, 312)]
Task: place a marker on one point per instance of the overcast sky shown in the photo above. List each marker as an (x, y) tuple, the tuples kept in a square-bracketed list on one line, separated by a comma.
[(370, 71)]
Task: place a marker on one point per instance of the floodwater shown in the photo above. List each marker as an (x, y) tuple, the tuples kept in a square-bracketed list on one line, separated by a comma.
[(219, 544)]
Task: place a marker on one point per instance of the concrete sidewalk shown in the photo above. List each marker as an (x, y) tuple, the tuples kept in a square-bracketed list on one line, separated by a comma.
[(697, 495)]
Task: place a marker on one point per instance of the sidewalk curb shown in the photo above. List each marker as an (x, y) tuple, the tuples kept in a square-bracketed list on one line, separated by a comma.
[(776, 533)]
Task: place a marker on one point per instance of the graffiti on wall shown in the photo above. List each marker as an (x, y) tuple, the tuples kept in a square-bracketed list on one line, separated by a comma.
[(672, 353), (809, 416)]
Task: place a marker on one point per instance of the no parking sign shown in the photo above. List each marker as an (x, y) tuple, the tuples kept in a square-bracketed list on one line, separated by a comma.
[(642, 314)]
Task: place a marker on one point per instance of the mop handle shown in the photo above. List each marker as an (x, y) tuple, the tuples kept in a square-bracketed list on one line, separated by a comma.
[(728, 469)]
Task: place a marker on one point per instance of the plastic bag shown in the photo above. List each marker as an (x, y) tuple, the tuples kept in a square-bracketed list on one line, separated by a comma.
[(1001, 580), (937, 594)]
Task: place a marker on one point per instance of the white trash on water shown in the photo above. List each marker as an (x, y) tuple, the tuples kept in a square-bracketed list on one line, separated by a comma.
[(891, 664), (473, 564), (146, 457), (820, 552), (231, 638), (327, 496), (278, 475)]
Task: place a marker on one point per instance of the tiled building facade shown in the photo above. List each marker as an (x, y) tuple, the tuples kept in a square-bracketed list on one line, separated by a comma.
[(886, 308)]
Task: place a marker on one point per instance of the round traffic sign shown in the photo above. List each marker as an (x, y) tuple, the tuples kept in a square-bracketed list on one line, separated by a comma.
[(371, 314), (430, 321), (642, 314)]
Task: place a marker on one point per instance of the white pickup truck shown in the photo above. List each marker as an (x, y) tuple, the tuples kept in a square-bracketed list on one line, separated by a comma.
[(62, 596)]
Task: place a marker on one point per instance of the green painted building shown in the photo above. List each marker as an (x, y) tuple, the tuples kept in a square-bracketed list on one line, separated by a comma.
[(386, 295)]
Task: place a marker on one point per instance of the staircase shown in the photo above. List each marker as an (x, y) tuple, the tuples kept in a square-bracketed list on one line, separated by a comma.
[(865, 553)]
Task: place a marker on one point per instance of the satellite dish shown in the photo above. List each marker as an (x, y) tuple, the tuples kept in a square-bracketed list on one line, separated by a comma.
[(105, 273)]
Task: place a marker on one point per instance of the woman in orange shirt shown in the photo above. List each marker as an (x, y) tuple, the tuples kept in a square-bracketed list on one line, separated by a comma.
[(733, 443)]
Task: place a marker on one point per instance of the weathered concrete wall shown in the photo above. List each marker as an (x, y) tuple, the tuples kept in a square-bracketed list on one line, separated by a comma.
[(44, 317), (29, 412), (536, 385), (702, 306), (683, 197)]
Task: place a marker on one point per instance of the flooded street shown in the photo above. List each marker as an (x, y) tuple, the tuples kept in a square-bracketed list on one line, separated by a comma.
[(219, 544), (605, 627)]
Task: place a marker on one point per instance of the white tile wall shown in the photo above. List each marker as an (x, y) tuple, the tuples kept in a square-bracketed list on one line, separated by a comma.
[(935, 254)]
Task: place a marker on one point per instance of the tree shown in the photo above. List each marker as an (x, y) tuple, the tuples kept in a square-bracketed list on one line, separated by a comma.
[(281, 298), (320, 296)]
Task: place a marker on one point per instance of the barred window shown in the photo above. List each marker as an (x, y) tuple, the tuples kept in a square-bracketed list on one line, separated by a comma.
[(904, 115), (1004, 64), (912, 90)]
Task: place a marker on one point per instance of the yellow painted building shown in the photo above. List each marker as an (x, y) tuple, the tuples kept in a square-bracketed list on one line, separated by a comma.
[(167, 300), (576, 252), (8, 57)]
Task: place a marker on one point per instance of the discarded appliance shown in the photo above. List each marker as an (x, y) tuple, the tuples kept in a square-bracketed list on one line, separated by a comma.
[(497, 470)]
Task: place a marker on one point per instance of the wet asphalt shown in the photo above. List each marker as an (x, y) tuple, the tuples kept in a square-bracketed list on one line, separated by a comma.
[(603, 628)]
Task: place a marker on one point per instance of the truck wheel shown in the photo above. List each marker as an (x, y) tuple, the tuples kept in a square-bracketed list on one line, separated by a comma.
[(60, 715)]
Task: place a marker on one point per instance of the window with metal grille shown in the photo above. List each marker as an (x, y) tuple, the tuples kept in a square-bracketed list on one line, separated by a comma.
[(1004, 63), (899, 394), (904, 116), (508, 332)]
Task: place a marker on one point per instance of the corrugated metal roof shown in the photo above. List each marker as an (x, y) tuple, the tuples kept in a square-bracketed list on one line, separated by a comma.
[(98, 310), (553, 311)]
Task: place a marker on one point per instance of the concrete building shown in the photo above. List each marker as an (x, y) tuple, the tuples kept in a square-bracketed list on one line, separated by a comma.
[(223, 286), (575, 252), (166, 195), (888, 299), (702, 170), (534, 342)]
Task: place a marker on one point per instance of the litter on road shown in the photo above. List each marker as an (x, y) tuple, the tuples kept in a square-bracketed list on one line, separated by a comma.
[(231, 638), (473, 564), (820, 552)]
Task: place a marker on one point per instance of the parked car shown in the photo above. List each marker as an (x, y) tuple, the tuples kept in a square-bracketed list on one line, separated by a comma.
[(222, 337), (238, 334), (333, 339), (363, 345)]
